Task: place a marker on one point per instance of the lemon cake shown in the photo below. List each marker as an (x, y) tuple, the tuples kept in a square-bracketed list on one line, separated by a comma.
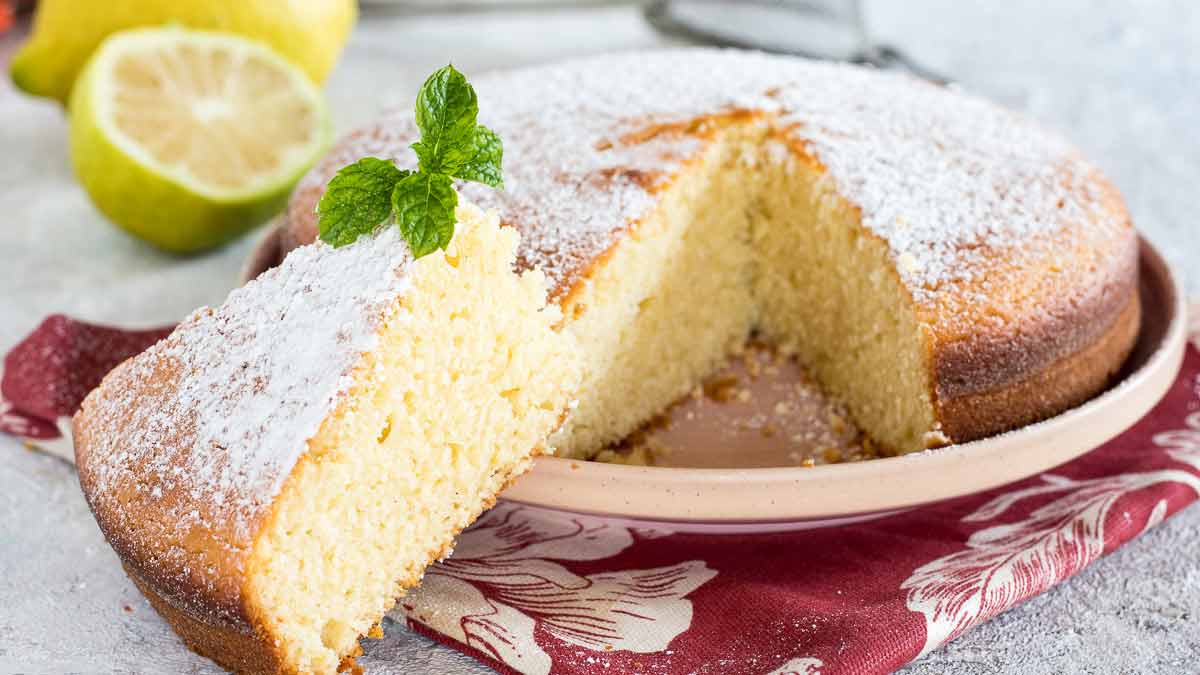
[(945, 267), (276, 472)]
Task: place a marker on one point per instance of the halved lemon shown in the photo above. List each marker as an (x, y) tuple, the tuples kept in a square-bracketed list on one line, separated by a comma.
[(187, 138)]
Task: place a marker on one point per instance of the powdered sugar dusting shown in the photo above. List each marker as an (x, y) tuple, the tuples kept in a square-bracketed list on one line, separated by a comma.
[(217, 413), (948, 180)]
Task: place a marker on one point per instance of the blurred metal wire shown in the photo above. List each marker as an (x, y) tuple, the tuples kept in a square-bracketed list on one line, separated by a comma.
[(661, 15), (838, 15)]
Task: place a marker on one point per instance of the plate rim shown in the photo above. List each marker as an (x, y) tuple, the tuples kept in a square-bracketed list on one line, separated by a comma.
[(1092, 423)]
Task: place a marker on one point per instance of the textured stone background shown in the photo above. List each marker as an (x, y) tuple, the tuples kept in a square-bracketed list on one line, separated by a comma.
[(1122, 79)]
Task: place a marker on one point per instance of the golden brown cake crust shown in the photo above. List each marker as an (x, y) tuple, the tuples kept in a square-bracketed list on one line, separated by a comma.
[(238, 645), (1037, 339), (260, 374), (1064, 383), (238, 648), (199, 562)]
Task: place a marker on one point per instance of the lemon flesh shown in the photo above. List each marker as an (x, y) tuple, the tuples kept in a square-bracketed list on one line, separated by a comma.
[(310, 33), (188, 139)]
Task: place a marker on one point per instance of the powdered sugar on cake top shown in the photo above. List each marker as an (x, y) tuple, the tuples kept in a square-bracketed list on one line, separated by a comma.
[(948, 180), (218, 412)]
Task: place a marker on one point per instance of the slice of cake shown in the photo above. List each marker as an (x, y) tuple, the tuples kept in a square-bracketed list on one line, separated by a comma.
[(277, 471)]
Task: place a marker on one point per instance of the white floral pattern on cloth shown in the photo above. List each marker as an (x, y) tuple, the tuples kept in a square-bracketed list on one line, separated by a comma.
[(1183, 445), (503, 583), (1008, 563), (801, 666)]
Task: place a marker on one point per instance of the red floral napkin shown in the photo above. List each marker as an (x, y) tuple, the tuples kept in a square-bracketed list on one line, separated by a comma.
[(538, 592)]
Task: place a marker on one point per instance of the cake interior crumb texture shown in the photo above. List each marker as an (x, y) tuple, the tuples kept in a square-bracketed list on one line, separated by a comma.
[(750, 239)]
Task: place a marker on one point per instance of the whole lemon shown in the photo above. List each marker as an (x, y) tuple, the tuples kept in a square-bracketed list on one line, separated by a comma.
[(309, 33)]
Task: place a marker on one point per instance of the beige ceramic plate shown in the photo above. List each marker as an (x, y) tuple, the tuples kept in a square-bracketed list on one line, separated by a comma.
[(798, 497)]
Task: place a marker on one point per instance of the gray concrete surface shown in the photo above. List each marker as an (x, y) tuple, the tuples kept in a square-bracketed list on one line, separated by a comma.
[(1122, 79)]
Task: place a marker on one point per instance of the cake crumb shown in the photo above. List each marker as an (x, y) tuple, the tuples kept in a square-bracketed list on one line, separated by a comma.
[(721, 389)]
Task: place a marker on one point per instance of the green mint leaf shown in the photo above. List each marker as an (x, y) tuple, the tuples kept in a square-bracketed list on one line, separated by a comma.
[(362, 196), (424, 205), (446, 112), (486, 157), (357, 200)]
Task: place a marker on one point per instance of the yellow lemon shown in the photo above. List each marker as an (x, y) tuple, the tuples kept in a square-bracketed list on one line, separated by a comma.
[(187, 138), (309, 33)]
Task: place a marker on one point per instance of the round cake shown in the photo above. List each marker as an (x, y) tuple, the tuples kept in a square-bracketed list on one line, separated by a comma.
[(945, 267)]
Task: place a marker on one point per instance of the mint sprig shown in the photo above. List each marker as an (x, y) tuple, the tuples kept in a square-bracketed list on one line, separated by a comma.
[(365, 194)]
